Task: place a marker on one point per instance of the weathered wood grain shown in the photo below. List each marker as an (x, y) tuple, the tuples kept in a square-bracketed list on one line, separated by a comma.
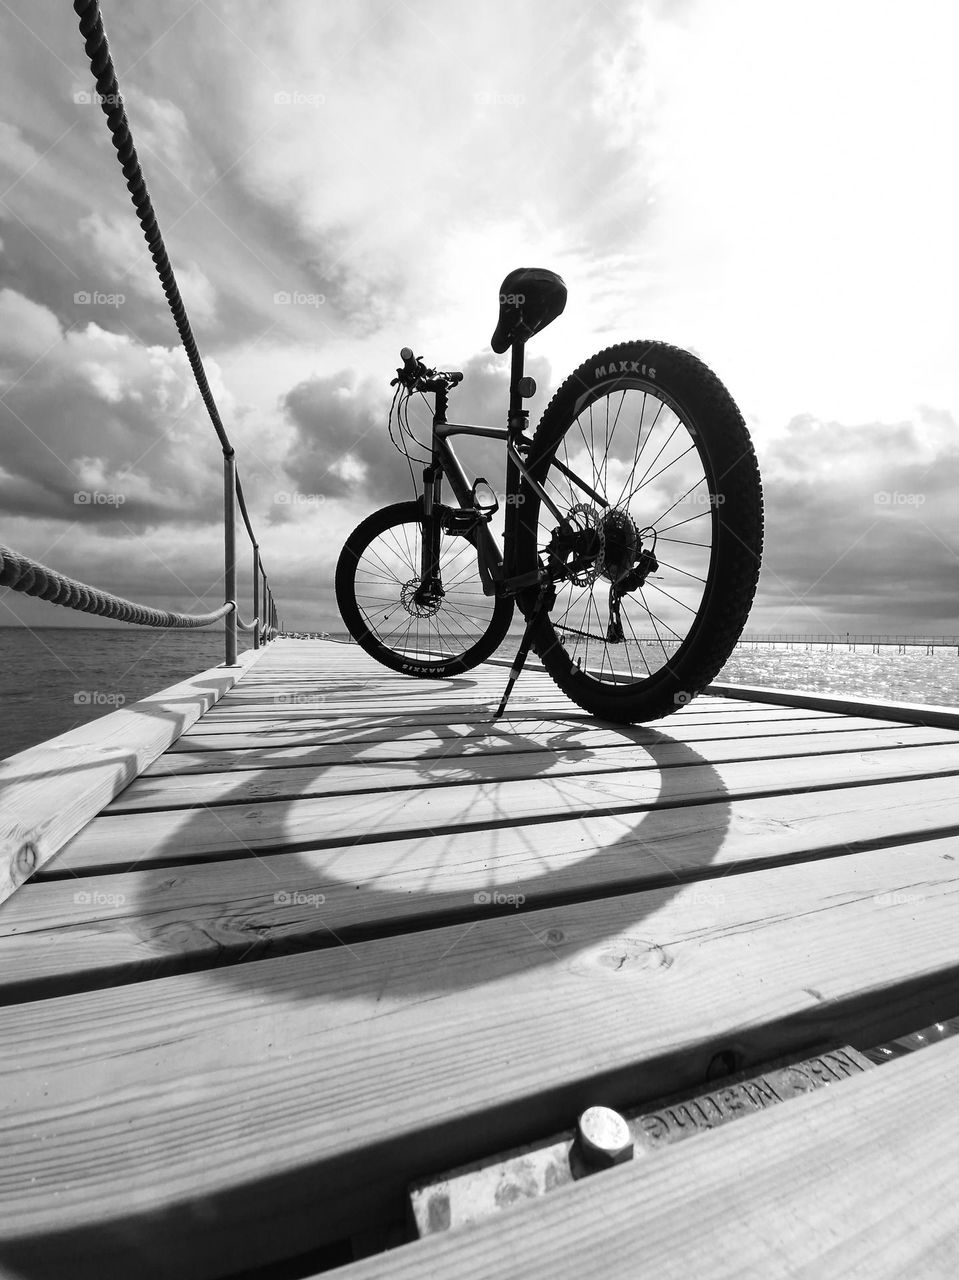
[(892, 753), (98, 930), (395, 727), (904, 712), (51, 791), (535, 734), (484, 810), (847, 1181), (209, 1121)]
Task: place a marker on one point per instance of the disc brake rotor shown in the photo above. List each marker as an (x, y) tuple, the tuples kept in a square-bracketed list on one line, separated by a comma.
[(417, 608), (586, 575)]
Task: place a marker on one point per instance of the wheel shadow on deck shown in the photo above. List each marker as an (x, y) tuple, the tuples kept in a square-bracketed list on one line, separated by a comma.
[(426, 874)]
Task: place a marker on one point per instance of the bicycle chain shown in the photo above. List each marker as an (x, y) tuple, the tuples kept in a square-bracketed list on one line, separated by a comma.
[(587, 635)]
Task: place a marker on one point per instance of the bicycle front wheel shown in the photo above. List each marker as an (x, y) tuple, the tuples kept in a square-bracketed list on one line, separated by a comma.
[(654, 538), (377, 582)]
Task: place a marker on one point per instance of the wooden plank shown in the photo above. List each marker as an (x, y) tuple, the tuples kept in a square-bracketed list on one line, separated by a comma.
[(476, 704), (49, 792), (81, 933), (846, 1181), (905, 712), (338, 777), (535, 734), (240, 830), (396, 726), (308, 712), (199, 1121)]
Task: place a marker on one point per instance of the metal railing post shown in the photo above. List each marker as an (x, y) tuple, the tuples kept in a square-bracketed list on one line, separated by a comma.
[(256, 596), (229, 552)]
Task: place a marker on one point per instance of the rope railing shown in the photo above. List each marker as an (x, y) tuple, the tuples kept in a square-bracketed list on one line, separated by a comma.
[(35, 579), (27, 575)]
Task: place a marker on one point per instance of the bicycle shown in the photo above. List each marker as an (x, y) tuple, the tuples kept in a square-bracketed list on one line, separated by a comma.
[(632, 529)]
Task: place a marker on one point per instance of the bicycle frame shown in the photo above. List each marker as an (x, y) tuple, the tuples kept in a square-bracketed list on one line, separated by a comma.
[(497, 571)]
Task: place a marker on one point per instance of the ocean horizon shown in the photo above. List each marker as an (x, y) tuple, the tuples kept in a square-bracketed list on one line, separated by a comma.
[(53, 679)]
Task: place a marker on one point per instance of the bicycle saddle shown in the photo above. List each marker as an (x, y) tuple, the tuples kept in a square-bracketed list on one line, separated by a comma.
[(529, 299)]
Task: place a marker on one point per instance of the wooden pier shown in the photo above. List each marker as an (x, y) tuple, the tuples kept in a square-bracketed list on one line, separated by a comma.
[(319, 932)]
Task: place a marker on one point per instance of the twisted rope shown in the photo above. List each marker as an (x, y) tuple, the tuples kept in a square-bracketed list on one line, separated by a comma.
[(35, 579), (24, 574), (111, 102)]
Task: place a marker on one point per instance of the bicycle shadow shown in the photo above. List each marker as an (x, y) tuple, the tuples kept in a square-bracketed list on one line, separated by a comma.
[(484, 826), (407, 926)]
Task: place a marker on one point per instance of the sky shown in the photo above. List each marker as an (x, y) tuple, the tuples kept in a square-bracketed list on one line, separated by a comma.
[(769, 185)]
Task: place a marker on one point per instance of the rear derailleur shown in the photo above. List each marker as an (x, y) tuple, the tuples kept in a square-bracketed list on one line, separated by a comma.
[(632, 580)]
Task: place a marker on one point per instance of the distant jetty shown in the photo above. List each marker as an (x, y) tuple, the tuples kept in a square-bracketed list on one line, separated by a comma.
[(876, 642), (846, 640)]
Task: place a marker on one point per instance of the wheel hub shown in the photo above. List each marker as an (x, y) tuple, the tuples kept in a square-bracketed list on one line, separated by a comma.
[(416, 602), (621, 544)]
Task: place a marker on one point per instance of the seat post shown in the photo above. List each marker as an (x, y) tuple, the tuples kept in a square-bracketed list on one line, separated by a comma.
[(516, 425), (518, 416)]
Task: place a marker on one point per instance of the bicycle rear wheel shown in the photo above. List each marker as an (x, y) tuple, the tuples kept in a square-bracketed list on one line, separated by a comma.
[(377, 577), (656, 560)]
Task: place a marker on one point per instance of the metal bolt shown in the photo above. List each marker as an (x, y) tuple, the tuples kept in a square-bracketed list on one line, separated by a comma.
[(604, 1138)]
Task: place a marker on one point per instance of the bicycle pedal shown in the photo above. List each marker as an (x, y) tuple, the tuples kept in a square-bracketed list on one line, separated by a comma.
[(463, 521)]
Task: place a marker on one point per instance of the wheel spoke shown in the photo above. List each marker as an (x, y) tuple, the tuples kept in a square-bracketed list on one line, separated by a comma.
[(386, 578), (632, 443)]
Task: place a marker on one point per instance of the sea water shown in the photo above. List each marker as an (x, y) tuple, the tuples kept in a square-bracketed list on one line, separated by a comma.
[(55, 678)]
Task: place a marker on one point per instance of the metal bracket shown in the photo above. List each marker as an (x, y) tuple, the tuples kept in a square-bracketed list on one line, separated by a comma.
[(603, 1138)]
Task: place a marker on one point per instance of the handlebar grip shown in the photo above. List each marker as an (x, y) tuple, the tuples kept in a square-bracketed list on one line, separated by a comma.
[(406, 354)]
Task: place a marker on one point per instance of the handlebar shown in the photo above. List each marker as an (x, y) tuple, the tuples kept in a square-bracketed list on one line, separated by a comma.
[(415, 376)]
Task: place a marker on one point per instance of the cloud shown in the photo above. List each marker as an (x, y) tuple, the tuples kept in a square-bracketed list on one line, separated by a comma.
[(861, 523), (342, 447), (90, 411), (125, 265), (658, 161)]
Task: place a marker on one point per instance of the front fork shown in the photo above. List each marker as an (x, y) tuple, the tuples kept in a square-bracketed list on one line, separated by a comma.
[(431, 581), (437, 518)]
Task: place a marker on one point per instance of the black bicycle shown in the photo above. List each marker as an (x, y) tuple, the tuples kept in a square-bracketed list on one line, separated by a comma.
[(633, 528)]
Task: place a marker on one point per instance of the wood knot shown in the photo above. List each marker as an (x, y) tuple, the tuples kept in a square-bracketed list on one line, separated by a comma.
[(622, 955), (25, 862)]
